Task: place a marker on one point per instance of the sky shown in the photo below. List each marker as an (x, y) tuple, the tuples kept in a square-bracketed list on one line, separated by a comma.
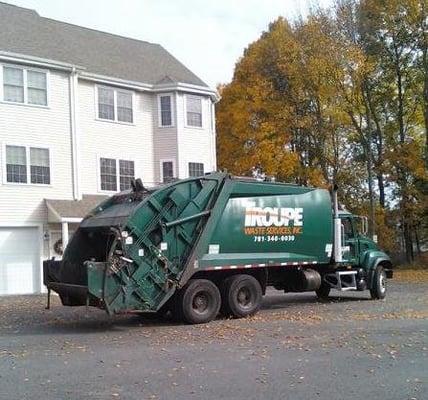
[(207, 36)]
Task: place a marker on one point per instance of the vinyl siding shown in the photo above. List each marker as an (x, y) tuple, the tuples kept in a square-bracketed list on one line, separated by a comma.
[(38, 127), (144, 142), (113, 140), (195, 144), (164, 138)]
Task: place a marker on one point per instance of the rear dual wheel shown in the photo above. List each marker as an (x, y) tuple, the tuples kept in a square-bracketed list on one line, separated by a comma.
[(198, 302), (241, 295)]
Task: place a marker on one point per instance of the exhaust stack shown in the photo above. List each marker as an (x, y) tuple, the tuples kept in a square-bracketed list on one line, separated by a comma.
[(337, 229)]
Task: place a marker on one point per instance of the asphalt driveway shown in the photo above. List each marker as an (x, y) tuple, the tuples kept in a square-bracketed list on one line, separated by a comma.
[(295, 348)]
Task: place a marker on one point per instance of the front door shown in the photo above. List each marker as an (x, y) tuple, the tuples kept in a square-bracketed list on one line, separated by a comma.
[(349, 241)]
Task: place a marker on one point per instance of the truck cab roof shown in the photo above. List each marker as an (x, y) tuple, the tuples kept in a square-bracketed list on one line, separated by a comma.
[(345, 213)]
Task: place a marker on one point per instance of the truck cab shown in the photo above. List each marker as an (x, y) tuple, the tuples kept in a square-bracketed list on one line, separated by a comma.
[(358, 250)]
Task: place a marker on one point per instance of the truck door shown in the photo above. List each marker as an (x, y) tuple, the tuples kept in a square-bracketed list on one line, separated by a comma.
[(349, 240)]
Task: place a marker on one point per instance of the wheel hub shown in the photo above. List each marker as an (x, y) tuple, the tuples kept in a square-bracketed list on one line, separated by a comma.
[(382, 282), (244, 297), (200, 303)]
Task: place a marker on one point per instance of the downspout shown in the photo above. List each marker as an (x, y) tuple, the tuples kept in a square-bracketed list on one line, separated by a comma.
[(213, 138), (337, 229), (75, 148), (179, 130)]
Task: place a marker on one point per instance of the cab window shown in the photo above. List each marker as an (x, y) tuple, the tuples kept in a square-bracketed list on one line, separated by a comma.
[(347, 228)]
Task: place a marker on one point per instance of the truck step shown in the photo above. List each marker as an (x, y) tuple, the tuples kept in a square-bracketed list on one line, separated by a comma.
[(342, 280)]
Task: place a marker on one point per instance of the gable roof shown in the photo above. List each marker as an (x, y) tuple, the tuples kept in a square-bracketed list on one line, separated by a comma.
[(23, 31), (73, 208)]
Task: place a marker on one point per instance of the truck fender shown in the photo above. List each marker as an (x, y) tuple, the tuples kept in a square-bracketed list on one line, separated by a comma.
[(371, 260)]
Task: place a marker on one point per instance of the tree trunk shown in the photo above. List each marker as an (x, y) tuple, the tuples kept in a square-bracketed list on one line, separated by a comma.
[(424, 48), (378, 141), (381, 185), (425, 64), (408, 243), (372, 221), (418, 243), (367, 146), (400, 97)]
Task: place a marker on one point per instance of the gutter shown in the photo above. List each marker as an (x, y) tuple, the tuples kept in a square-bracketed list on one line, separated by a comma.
[(83, 74), (37, 61), (154, 88)]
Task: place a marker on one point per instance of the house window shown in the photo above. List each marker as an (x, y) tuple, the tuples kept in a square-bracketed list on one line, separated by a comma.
[(115, 105), (17, 170), (165, 106), (39, 166), (16, 164), (111, 179), (167, 171), (13, 84), (194, 111), (126, 174), (21, 85), (124, 107), (196, 169), (106, 103), (108, 174), (36, 88)]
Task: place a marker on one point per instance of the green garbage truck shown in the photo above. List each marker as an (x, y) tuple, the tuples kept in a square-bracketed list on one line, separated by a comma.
[(211, 244)]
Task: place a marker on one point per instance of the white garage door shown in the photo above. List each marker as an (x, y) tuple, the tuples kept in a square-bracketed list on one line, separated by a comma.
[(19, 261)]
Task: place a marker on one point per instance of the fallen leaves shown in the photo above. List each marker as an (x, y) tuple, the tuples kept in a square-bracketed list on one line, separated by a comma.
[(403, 314), (411, 275)]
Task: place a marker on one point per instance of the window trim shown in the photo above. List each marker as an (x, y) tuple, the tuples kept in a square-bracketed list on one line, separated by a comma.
[(186, 125), (194, 162), (172, 98), (174, 168), (116, 158), (25, 68), (115, 120), (28, 165)]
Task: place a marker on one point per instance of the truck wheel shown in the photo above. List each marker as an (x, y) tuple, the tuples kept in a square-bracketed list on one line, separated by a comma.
[(200, 301), (378, 290), (323, 291), (241, 295)]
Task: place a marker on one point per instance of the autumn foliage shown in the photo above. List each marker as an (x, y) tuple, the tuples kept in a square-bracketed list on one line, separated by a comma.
[(341, 96)]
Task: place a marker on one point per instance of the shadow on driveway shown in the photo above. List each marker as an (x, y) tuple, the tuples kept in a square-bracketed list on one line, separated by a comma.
[(26, 315)]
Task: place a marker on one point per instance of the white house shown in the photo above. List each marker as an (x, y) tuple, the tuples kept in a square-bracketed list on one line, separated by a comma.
[(82, 112)]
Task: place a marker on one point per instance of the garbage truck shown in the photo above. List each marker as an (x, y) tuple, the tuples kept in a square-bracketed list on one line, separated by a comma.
[(212, 244)]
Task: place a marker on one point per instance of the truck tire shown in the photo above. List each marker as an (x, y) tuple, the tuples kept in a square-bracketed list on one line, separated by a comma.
[(323, 291), (241, 295), (378, 289), (200, 301)]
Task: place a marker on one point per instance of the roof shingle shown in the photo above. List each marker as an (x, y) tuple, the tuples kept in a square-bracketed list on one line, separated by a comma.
[(75, 208), (23, 31)]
